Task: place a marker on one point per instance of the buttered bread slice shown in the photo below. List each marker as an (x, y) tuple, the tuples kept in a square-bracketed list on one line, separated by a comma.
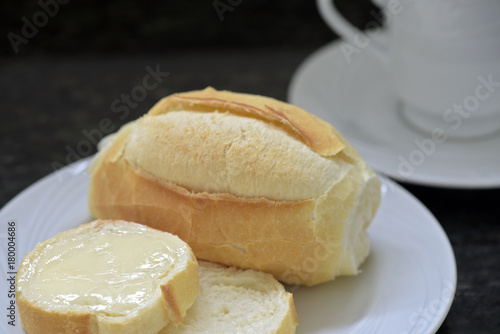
[(106, 277)]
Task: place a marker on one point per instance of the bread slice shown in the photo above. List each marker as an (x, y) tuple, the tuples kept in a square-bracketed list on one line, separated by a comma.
[(238, 301), (106, 277), (245, 180)]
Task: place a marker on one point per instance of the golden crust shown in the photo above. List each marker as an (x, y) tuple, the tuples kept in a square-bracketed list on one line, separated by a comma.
[(37, 320), (317, 134), (278, 237), (305, 241), (181, 291), (218, 227), (290, 321)]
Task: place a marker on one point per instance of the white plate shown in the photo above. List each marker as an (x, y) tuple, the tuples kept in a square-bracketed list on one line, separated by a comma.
[(407, 284), (356, 97)]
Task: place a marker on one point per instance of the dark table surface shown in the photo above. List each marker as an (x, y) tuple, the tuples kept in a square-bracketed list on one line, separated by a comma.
[(47, 104)]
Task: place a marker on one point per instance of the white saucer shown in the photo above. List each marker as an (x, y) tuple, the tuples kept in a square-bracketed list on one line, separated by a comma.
[(407, 284), (356, 97)]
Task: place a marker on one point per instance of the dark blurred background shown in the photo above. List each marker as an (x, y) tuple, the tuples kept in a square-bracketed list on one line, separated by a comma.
[(62, 64), (90, 27)]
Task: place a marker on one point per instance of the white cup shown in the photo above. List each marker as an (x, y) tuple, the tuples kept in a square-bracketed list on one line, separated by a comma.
[(443, 57)]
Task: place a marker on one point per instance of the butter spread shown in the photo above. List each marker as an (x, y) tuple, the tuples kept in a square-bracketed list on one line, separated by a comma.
[(110, 271)]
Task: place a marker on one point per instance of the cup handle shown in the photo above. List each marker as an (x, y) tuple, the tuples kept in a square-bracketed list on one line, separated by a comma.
[(329, 13)]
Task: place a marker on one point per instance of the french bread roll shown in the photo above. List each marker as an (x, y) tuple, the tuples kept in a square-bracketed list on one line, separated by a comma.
[(246, 180), (238, 301), (106, 277)]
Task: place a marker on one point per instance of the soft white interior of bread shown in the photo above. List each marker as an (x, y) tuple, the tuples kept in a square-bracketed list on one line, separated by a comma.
[(111, 270), (250, 157), (234, 301), (356, 245)]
